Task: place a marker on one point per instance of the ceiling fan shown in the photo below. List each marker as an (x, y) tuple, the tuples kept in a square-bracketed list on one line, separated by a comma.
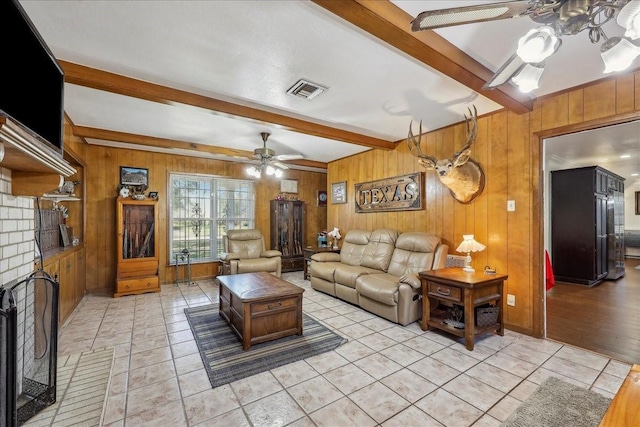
[(558, 18), (269, 161)]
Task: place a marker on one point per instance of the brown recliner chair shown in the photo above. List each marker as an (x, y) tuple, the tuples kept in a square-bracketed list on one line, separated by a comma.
[(244, 252)]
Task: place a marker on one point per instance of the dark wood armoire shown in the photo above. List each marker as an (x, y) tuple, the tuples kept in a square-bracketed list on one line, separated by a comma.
[(586, 228)]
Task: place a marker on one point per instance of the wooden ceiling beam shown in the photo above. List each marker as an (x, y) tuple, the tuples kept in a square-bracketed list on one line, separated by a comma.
[(150, 141), (122, 85), (392, 25)]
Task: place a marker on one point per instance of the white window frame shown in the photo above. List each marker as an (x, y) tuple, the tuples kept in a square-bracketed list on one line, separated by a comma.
[(193, 223)]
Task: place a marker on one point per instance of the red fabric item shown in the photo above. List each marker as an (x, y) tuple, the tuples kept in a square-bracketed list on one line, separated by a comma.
[(548, 271)]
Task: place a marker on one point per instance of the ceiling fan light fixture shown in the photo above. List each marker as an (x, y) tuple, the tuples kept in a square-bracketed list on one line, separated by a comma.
[(538, 44), (527, 79), (629, 19), (254, 171), (278, 173), (270, 170), (618, 53)]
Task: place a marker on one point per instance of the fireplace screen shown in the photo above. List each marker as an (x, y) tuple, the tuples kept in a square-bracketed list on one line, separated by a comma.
[(28, 347)]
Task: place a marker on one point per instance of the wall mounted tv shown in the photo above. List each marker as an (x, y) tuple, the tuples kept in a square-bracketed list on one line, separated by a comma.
[(32, 81)]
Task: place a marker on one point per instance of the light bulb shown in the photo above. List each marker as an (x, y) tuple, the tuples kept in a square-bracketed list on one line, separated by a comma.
[(278, 173), (251, 170), (270, 170)]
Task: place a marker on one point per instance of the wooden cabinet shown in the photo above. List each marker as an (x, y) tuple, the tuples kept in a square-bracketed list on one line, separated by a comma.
[(137, 247), (68, 268), (80, 287), (583, 234), (66, 302), (288, 231), (454, 286)]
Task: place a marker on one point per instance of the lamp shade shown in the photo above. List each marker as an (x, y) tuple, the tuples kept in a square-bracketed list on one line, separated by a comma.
[(629, 19), (538, 44), (469, 244), (527, 79), (618, 53)]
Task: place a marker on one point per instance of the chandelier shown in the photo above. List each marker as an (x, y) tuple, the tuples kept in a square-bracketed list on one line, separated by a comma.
[(256, 171), (269, 161), (559, 18), (618, 53)]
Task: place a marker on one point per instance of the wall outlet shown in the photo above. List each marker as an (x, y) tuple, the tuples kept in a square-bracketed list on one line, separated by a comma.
[(511, 205), (511, 300)]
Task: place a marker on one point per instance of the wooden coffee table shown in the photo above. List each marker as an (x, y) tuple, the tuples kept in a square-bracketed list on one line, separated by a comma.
[(260, 307)]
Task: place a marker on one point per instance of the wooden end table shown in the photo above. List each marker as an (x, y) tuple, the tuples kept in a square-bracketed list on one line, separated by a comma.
[(308, 251), (468, 290), (260, 307)]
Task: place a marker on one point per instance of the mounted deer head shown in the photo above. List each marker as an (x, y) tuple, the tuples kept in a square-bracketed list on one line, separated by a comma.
[(460, 174)]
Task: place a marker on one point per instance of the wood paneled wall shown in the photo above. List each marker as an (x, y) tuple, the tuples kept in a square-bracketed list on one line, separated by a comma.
[(508, 147), (102, 175)]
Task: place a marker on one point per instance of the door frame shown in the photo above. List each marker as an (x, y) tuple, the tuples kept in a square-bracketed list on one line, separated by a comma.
[(537, 240)]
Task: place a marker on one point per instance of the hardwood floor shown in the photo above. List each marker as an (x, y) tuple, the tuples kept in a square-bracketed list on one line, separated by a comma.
[(604, 318)]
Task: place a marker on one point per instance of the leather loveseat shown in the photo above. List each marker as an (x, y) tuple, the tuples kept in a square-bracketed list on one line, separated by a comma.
[(378, 271)]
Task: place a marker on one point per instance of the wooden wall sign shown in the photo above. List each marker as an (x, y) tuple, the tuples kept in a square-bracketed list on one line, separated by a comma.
[(400, 193)]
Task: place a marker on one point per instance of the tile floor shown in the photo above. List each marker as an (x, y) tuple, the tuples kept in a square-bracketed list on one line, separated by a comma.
[(386, 375)]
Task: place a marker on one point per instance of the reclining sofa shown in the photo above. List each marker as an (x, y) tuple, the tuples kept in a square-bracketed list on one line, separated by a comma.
[(378, 271)]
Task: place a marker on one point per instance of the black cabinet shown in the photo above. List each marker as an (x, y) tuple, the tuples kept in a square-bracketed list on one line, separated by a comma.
[(288, 231), (584, 239)]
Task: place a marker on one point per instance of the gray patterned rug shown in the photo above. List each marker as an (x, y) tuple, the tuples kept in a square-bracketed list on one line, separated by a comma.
[(558, 403), (224, 359)]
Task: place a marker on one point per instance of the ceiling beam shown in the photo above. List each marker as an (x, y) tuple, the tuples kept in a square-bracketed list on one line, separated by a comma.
[(122, 85), (392, 25), (149, 141)]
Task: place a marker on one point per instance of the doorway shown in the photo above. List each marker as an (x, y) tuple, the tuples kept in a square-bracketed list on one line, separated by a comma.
[(604, 318)]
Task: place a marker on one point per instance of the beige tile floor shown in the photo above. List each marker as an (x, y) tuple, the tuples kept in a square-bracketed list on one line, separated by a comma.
[(386, 375)]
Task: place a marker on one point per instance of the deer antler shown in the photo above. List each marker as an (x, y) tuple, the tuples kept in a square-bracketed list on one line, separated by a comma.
[(472, 128), (414, 144)]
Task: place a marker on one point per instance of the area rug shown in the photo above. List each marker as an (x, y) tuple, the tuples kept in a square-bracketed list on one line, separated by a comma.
[(224, 359), (558, 403)]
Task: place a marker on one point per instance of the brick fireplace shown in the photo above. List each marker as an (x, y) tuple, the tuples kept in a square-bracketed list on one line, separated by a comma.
[(29, 314)]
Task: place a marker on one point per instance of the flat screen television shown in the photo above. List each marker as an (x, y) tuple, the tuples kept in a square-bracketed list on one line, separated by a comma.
[(31, 80)]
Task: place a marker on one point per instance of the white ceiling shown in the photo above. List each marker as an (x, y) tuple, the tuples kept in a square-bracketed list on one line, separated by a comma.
[(250, 52)]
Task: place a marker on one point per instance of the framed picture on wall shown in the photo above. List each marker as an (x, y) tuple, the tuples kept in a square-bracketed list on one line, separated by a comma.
[(637, 202), (288, 185), (339, 192), (134, 176)]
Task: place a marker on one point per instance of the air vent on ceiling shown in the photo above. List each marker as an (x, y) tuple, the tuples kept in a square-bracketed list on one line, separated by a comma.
[(306, 89)]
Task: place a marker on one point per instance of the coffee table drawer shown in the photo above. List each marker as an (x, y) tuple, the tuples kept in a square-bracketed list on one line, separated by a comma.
[(265, 308), (445, 292)]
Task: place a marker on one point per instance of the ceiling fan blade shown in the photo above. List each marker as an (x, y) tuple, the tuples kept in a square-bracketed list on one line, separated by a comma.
[(288, 157), (432, 19), (280, 165), (504, 73)]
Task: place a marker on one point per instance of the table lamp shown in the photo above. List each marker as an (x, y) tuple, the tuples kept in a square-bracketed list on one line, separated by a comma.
[(469, 245)]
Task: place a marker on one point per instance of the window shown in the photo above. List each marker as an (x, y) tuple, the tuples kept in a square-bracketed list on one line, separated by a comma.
[(202, 209)]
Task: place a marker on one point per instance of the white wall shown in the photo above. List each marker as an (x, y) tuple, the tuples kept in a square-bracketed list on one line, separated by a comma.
[(631, 220)]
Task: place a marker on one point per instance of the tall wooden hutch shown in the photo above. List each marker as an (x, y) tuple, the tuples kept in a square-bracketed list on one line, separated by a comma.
[(137, 258), (587, 225), (288, 231)]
